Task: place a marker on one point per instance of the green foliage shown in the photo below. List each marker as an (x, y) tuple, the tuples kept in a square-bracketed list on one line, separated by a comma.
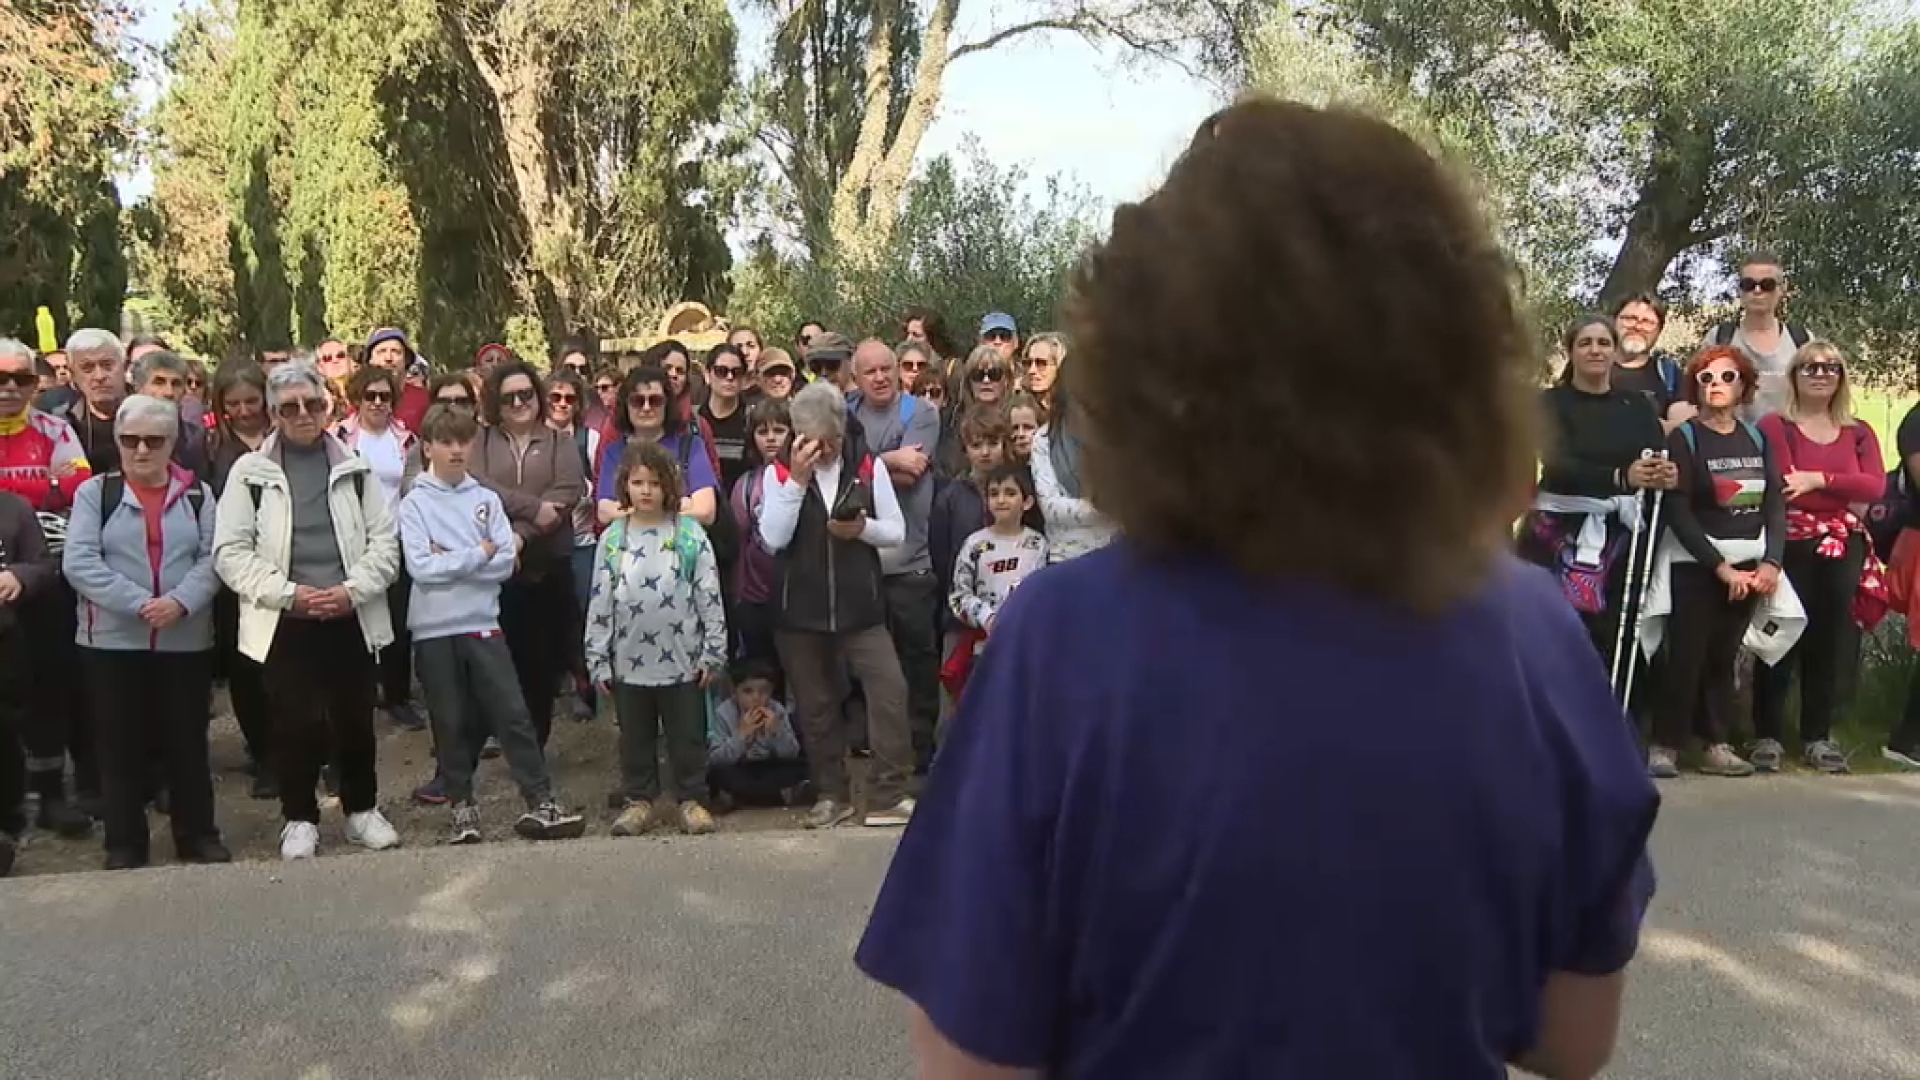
[(967, 243)]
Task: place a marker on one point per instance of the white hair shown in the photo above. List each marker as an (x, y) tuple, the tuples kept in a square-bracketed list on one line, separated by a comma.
[(143, 407), (15, 347), (95, 340), (1058, 341), (819, 412), (284, 377)]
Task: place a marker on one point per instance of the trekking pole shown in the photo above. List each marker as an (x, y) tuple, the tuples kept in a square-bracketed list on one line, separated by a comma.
[(1626, 593), (1640, 575)]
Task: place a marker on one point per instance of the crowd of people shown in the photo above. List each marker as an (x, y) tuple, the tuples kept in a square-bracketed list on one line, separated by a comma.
[(1725, 504), (762, 562)]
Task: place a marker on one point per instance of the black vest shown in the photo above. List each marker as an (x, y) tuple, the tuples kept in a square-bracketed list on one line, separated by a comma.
[(828, 585)]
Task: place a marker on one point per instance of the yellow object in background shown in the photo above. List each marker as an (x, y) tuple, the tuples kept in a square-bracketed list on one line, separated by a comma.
[(43, 321)]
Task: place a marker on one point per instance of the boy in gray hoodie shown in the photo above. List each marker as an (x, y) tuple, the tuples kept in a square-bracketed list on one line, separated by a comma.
[(459, 547)]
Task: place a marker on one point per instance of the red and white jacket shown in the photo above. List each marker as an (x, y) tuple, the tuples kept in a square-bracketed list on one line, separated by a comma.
[(41, 461)]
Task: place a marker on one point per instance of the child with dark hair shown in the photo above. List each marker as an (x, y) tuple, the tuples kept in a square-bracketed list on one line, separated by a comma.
[(993, 562), (753, 755), (960, 504), (769, 427)]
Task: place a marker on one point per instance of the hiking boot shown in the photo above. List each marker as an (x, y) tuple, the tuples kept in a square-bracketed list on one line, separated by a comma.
[(892, 817), (1662, 763), (549, 821), (431, 793), (694, 819), (1907, 757), (826, 814), (58, 816), (466, 825), (634, 819), (1720, 760), (1766, 755), (124, 859), (1825, 756)]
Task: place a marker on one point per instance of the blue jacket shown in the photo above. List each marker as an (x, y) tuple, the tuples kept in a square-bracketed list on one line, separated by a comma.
[(107, 562), (456, 590)]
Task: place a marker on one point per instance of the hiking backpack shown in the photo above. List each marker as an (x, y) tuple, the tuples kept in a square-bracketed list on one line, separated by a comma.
[(113, 488)]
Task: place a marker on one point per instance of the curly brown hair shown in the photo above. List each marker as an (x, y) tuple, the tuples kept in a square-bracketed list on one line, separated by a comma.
[(1378, 446), (1690, 378), (649, 455)]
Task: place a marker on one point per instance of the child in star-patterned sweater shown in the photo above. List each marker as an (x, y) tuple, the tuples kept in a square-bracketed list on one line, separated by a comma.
[(656, 636)]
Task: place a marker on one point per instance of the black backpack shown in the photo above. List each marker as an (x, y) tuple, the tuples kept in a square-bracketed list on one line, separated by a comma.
[(1891, 513), (359, 490), (113, 489), (724, 533), (1723, 334)]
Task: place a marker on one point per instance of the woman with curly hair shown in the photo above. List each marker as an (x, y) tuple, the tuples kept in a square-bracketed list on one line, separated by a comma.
[(1093, 884), (1729, 522)]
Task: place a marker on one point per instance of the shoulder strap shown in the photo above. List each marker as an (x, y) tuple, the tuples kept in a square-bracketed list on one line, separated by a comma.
[(580, 444), (685, 449), (1693, 441), (1670, 374), (686, 537), (197, 498), (113, 488), (1753, 432), (1723, 334), (615, 541), (1797, 334), (907, 404)]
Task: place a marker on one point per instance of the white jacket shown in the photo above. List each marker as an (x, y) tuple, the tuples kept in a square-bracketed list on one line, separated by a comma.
[(1778, 620), (253, 551)]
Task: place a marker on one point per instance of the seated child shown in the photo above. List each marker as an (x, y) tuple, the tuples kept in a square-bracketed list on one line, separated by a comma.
[(753, 756)]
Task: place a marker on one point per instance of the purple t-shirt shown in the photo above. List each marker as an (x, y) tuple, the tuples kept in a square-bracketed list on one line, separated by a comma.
[(699, 465), (1187, 825)]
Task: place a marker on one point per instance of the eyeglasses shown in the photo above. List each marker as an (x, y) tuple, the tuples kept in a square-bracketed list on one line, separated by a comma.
[(989, 375), (458, 401), (25, 380), (313, 406), (1725, 375), (517, 398), (561, 398), (1823, 367), (1765, 284), (647, 401), (727, 372), (155, 443), (377, 397)]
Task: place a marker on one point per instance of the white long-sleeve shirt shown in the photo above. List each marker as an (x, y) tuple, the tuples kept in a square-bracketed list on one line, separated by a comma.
[(1074, 527), (780, 511)]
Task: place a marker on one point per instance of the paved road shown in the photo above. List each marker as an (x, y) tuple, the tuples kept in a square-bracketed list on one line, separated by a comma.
[(1784, 945)]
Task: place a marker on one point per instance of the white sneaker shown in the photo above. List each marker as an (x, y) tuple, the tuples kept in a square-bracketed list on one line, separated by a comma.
[(371, 830), (299, 840)]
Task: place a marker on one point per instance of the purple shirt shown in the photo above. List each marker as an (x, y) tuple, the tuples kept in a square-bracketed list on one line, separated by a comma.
[(1188, 825), (613, 447)]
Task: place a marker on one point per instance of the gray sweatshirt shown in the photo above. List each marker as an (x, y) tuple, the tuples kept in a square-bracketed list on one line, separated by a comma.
[(886, 432)]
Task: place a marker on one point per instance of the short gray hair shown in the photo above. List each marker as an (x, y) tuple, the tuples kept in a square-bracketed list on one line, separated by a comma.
[(819, 412), (284, 377), (15, 347), (92, 339), (144, 407), (160, 360)]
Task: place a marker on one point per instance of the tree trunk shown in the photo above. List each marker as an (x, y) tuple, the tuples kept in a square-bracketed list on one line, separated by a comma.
[(1666, 218)]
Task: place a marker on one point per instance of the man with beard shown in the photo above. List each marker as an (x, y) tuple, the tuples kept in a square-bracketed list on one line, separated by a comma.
[(1640, 366)]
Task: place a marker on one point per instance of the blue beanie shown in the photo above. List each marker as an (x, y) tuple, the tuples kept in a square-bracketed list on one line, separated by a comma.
[(389, 333)]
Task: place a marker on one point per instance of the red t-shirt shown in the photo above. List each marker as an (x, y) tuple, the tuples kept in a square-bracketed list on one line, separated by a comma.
[(153, 508)]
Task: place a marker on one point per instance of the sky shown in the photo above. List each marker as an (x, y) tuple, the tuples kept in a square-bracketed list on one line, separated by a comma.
[(1050, 103)]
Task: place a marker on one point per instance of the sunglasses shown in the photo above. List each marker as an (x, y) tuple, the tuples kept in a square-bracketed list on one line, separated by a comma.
[(1823, 367), (143, 442), (313, 406), (989, 375), (997, 336), (935, 392), (333, 358), (560, 398), (777, 371), (523, 396), (377, 397), (576, 367), (1038, 361), (727, 372), (646, 401), (913, 367), (458, 401), (605, 387), (1726, 375), (1765, 284), (25, 380)]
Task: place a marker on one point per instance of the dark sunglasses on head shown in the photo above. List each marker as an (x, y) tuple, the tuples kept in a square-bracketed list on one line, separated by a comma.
[(997, 336), (22, 379), (647, 401), (562, 397), (1726, 375), (523, 396), (377, 397), (458, 401), (727, 372), (1765, 284), (989, 375), (149, 442), (312, 406), (1823, 367)]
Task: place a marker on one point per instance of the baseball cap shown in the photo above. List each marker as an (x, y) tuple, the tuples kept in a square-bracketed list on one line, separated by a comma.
[(828, 349), (998, 320)]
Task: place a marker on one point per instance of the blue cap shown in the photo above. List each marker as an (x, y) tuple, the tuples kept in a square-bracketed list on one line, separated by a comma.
[(388, 333), (998, 320)]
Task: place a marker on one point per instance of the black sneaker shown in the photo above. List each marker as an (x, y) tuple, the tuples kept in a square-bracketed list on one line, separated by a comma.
[(206, 852), (549, 822), (7, 852), (265, 786), (123, 859), (466, 824), (56, 816)]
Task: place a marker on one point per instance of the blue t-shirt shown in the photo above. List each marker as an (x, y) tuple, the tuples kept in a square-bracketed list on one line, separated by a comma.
[(1189, 825), (699, 466)]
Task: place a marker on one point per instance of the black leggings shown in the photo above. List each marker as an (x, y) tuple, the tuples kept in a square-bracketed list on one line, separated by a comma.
[(1703, 647), (537, 617), (1828, 652), (246, 680)]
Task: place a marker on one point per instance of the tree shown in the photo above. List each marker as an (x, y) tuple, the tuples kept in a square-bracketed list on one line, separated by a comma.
[(852, 86), (967, 242), (1684, 130)]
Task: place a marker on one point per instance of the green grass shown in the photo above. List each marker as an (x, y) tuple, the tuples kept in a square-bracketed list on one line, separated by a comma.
[(1883, 411)]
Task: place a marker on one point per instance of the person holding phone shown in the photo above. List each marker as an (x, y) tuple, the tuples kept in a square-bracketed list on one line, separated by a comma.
[(827, 513)]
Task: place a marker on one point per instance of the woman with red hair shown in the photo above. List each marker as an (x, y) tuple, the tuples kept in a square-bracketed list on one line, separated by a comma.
[(1729, 520)]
